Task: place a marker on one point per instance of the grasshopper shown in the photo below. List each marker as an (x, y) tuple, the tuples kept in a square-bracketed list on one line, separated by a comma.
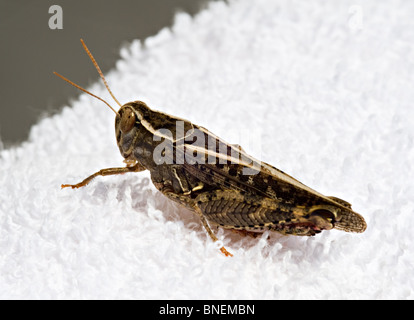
[(218, 181)]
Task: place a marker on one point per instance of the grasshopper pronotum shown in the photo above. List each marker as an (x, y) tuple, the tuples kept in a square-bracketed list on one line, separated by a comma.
[(218, 181)]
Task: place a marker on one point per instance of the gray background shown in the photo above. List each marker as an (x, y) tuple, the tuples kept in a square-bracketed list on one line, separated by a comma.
[(30, 51)]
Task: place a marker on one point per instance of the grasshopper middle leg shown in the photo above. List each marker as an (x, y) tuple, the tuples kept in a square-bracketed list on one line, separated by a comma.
[(193, 204)]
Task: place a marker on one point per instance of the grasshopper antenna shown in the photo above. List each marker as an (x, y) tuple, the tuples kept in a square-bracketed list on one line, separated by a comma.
[(86, 91), (99, 71)]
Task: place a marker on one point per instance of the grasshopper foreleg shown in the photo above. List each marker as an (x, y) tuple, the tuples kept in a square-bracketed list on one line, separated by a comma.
[(106, 172)]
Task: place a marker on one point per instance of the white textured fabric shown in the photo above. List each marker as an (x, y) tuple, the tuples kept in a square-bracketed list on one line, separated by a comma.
[(328, 85)]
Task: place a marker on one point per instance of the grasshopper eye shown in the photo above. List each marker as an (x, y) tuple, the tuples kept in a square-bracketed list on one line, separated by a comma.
[(127, 121)]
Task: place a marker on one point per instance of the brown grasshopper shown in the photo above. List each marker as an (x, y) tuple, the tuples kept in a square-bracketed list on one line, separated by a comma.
[(218, 181)]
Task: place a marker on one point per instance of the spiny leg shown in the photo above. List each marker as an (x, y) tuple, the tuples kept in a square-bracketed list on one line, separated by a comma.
[(106, 172), (245, 233)]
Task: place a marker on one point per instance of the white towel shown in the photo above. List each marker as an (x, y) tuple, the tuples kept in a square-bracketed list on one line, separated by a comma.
[(324, 88)]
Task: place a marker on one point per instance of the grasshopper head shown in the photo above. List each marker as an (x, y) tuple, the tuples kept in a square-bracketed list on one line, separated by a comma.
[(140, 129), (128, 127)]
